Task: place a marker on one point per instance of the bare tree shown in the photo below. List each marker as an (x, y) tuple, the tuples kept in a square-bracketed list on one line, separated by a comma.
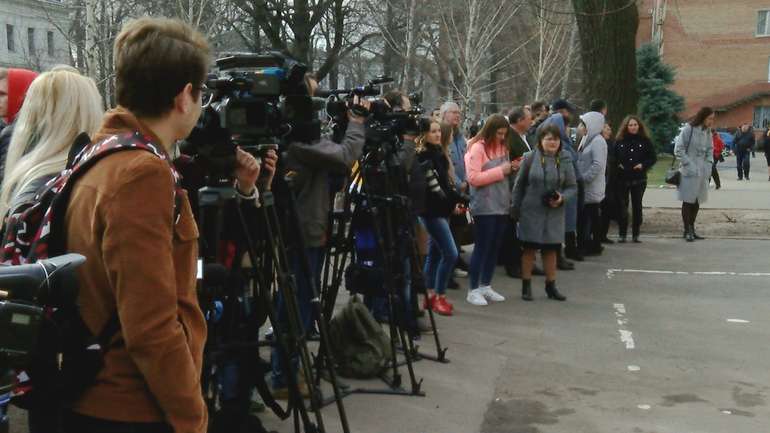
[(548, 58), (472, 27)]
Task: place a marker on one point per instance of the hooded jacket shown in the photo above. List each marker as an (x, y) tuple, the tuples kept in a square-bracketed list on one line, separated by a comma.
[(19, 81), (142, 264), (592, 158)]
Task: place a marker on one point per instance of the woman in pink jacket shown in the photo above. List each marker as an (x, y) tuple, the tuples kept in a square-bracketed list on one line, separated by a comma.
[(488, 169)]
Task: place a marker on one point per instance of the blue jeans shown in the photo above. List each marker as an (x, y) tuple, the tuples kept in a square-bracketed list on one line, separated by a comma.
[(489, 230), (442, 254), (304, 296)]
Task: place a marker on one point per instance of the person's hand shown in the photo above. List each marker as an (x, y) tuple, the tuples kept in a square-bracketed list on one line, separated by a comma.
[(246, 171), (270, 162), (638, 167), (459, 209), (558, 202), (363, 103), (508, 168), (516, 164)]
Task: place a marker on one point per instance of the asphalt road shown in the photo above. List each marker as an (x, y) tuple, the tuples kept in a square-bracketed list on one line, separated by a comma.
[(667, 350), (677, 366)]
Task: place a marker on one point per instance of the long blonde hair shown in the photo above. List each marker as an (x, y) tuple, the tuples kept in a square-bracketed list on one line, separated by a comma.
[(59, 105)]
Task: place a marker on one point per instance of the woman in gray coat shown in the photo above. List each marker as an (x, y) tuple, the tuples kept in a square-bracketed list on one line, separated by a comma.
[(545, 181), (694, 147)]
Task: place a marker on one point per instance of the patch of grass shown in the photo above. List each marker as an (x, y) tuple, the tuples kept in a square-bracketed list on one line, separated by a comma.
[(657, 174)]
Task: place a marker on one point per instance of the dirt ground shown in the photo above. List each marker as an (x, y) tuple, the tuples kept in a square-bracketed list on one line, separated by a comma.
[(714, 223)]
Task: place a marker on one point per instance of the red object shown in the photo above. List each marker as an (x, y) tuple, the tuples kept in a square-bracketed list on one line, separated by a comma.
[(18, 83), (719, 146), (429, 301), (442, 306)]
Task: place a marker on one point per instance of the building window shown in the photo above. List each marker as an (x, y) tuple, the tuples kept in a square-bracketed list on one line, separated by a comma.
[(763, 23), (51, 47), (31, 40), (9, 36), (761, 117)]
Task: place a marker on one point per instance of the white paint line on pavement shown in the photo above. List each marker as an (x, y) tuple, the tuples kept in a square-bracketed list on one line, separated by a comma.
[(611, 273), (727, 412), (626, 336), (634, 368), (644, 407), (738, 321)]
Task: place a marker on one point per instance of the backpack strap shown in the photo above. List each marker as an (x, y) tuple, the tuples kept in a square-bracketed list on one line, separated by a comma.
[(80, 143)]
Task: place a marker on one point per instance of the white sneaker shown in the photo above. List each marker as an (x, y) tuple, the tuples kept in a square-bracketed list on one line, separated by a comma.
[(490, 294), (459, 273), (476, 297)]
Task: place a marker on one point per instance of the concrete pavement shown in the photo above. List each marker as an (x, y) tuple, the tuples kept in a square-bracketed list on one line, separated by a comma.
[(734, 194), (642, 345)]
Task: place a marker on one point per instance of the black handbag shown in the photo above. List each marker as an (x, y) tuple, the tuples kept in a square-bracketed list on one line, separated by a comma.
[(673, 175)]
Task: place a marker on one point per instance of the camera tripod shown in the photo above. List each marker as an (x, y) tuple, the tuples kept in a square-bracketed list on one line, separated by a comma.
[(289, 336)]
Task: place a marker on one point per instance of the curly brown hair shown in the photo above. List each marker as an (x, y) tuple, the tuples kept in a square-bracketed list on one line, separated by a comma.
[(623, 131)]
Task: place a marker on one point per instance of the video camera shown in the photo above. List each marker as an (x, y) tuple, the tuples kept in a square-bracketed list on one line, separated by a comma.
[(257, 102)]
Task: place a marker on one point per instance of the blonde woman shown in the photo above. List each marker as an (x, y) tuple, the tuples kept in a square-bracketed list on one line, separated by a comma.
[(60, 104)]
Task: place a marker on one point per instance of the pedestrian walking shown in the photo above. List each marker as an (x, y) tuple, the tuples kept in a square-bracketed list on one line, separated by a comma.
[(719, 147), (544, 184), (635, 155), (488, 167), (744, 144), (694, 148), (766, 149)]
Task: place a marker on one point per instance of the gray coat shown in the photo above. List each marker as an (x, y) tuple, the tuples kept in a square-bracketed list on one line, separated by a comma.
[(312, 164), (696, 154), (539, 223), (592, 158)]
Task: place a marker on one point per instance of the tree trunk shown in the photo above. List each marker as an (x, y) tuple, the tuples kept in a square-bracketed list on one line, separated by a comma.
[(608, 47), (92, 40)]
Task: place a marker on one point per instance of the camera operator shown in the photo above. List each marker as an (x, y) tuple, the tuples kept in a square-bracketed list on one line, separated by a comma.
[(141, 248), (310, 166)]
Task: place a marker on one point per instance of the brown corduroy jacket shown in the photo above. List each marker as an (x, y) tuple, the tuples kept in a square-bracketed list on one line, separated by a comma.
[(141, 263)]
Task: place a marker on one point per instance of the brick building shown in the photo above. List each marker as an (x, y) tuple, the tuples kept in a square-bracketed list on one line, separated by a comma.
[(721, 52), (31, 33)]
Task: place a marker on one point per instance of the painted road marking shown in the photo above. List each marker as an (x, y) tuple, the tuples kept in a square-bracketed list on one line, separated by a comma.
[(634, 368), (626, 336), (738, 321), (611, 273), (644, 407)]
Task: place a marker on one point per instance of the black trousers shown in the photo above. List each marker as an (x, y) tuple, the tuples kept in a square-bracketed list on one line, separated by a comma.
[(590, 227), (634, 191), (510, 251), (715, 174), (743, 160), (76, 423)]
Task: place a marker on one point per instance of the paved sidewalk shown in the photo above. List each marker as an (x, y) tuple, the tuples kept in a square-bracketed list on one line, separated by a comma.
[(734, 194)]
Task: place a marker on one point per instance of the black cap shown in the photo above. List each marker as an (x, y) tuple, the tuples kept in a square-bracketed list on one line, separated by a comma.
[(560, 104)]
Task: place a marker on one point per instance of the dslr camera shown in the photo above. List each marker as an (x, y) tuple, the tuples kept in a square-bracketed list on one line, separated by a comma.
[(550, 196)]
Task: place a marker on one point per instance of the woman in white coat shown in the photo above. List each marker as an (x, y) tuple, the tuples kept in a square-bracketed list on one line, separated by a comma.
[(694, 149)]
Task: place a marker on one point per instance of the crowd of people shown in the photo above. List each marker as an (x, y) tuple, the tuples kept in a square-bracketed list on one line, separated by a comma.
[(532, 187), (523, 181)]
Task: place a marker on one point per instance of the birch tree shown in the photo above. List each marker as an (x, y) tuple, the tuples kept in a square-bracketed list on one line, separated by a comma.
[(472, 27), (548, 58)]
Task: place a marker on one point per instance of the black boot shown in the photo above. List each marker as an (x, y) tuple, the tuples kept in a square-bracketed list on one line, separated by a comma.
[(571, 250), (553, 292), (689, 234), (564, 264), (526, 290), (695, 234)]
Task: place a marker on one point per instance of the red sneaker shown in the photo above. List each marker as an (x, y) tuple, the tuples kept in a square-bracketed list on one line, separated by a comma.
[(442, 306)]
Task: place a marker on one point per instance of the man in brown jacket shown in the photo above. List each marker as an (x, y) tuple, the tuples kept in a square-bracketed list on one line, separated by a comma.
[(141, 247)]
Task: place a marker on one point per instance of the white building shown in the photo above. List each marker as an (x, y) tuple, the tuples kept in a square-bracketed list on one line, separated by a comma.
[(31, 33)]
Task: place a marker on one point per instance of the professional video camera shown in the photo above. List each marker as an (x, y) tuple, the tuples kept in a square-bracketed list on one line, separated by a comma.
[(257, 102)]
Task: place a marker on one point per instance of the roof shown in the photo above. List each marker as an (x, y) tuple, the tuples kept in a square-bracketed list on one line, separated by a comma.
[(729, 100)]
